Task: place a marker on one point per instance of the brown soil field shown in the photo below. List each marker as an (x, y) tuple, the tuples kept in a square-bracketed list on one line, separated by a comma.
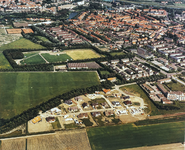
[(63, 140), (14, 144)]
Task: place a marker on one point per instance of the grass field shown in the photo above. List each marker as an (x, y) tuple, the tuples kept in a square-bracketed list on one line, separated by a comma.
[(20, 91), (37, 59), (4, 64), (22, 43), (82, 54), (28, 54), (136, 90), (117, 53), (104, 72), (56, 124), (43, 39), (176, 86), (56, 58), (127, 136)]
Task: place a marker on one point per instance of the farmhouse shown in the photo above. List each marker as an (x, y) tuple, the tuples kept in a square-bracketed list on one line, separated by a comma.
[(85, 105), (77, 66), (73, 109), (176, 95), (36, 120), (147, 88), (82, 116), (50, 119), (27, 31), (68, 102), (105, 105), (161, 87), (106, 91), (14, 31), (96, 114), (167, 80), (166, 101), (109, 113)]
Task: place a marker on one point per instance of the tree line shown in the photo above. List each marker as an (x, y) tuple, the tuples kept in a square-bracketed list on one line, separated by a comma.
[(9, 124)]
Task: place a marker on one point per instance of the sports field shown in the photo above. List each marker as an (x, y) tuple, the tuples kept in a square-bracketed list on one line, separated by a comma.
[(22, 43), (4, 64), (82, 54), (20, 91), (128, 136), (37, 59), (56, 58)]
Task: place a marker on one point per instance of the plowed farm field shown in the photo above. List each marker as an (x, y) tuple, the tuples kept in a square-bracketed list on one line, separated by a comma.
[(63, 140)]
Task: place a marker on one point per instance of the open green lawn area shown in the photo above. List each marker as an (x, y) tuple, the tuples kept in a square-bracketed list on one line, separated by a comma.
[(104, 72), (175, 86), (37, 59), (137, 90), (82, 54), (56, 58), (43, 39), (28, 54), (4, 64), (128, 136), (117, 53), (20, 91), (22, 43)]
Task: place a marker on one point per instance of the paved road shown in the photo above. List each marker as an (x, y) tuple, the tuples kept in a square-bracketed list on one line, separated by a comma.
[(175, 78)]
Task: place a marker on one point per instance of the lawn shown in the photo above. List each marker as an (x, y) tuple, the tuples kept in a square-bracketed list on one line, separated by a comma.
[(22, 43), (104, 72), (82, 54), (56, 58), (4, 64), (20, 91), (37, 59), (117, 53), (28, 54), (42, 38), (56, 124), (128, 136), (136, 90), (175, 86)]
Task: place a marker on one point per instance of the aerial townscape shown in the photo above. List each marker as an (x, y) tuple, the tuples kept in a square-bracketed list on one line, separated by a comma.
[(92, 75)]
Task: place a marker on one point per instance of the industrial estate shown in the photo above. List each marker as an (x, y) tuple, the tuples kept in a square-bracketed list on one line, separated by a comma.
[(100, 75)]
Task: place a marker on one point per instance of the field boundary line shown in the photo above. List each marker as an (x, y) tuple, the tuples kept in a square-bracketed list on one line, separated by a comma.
[(27, 136), (88, 139)]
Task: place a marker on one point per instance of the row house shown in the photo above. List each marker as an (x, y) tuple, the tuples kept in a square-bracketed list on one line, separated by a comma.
[(176, 95)]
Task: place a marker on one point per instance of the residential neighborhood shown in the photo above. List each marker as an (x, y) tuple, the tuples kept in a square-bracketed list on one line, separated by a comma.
[(91, 75)]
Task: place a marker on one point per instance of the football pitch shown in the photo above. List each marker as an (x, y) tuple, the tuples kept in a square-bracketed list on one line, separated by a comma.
[(129, 136), (20, 91)]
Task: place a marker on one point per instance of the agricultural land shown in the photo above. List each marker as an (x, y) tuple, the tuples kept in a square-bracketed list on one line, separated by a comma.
[(82, 54), (30, 89), (127, 136), (65, 140), (22, 43)]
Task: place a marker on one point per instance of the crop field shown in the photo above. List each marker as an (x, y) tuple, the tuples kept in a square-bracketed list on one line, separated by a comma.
[(4, 64), (37, 59), (65, 140), (136, 90), (82, 54), (20, 91), (22, 43), (56, 58), (14, 144), (128, 136)]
